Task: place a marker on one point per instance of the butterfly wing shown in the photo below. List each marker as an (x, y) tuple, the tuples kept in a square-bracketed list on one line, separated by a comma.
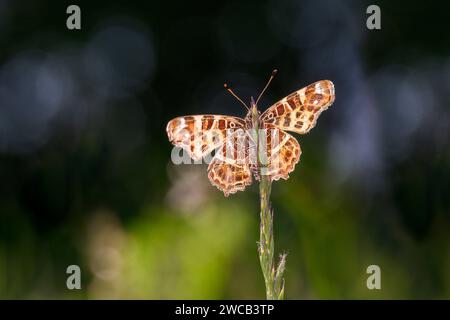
[(230, 170), (279, 151), (298, 112), (201, 134)]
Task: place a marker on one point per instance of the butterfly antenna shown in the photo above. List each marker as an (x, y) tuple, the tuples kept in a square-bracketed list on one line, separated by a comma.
[(234, 95), (274, 72)]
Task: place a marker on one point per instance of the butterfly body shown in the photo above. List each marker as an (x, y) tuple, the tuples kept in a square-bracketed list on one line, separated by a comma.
[(256, 145)]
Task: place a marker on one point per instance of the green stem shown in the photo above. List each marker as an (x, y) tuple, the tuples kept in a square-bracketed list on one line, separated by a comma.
[(273, 276)]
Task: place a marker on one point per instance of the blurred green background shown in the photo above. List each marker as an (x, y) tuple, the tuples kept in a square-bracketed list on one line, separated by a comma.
[(86, 175)]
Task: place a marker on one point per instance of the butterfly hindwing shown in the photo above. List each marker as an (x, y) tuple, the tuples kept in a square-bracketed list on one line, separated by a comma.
[(229, 170), (280, 153)]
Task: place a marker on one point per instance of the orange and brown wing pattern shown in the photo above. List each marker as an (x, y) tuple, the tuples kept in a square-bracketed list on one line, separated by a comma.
[(201, 134), (229, 177), (229, 170), (298, 112), (281, 152)]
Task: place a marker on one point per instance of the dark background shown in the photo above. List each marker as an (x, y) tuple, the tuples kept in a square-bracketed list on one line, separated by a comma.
[(85, 165)]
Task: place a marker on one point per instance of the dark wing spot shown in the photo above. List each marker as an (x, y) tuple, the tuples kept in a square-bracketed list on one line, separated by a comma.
[(280, 109), (291, 102), (318, 96), (207, 123)]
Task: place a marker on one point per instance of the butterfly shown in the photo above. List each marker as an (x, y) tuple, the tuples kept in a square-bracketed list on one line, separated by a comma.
[(257, 144)]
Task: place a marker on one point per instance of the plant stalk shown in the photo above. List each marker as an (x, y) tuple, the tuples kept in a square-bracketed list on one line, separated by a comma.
[(273, 276)]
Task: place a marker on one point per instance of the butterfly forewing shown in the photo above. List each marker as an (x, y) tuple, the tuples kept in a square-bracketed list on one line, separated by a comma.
[(199, 135), (298, 112)]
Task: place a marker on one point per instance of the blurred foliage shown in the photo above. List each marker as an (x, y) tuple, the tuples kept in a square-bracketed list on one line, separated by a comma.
[(85, 164)]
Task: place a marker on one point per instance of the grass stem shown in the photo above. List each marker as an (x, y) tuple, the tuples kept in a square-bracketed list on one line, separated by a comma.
[(273, 276)]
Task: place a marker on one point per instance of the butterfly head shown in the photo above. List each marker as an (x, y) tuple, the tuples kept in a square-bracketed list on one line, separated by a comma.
[(252, 103), (253, 106), (253, 113)]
